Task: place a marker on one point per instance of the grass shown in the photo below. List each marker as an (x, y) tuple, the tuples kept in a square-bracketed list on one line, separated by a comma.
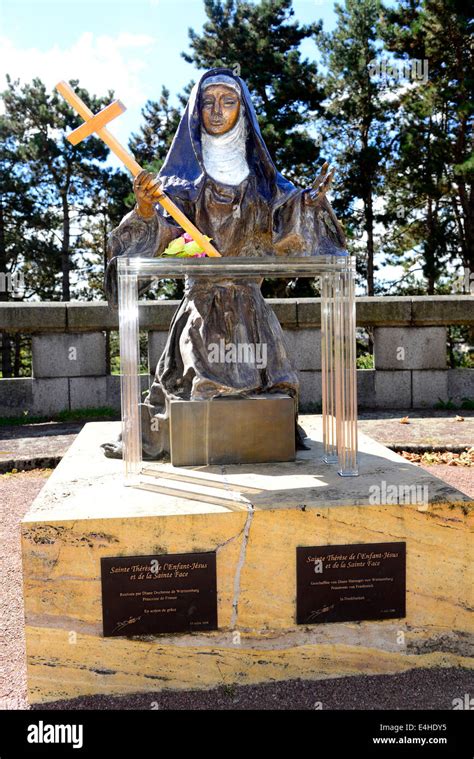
[(445, 405), (79, 415), (467, 404), (365, 361)]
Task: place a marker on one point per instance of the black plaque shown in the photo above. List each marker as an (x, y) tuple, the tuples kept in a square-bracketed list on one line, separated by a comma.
[(146, 595), (350, 582)]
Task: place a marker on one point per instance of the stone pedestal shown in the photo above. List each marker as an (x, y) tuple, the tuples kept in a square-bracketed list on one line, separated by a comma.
[(85, 513)]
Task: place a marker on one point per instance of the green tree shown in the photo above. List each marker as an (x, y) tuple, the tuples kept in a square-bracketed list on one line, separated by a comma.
[(151, 144), (25, 241), (261, 42), (355, 123), (105, 211), (63, 177), (433, 173)]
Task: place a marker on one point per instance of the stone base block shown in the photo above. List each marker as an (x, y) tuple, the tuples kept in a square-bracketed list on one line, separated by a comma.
[(392, 389), (310, 391), (232, 430), (461, 385), (33, 397), (366, 388), (429, 387), (410, 348), (85, 513), (69, 354)]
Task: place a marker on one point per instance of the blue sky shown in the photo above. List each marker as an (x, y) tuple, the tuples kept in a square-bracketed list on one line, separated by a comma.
[(131, 47)]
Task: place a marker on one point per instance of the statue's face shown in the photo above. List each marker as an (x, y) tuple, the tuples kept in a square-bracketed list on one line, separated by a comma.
[(219, 108)]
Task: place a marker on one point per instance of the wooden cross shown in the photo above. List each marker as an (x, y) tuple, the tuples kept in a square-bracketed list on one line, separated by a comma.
[(97, 124)]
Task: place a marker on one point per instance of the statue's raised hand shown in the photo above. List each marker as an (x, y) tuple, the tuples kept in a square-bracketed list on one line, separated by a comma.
[(320, 186), (147, 189)]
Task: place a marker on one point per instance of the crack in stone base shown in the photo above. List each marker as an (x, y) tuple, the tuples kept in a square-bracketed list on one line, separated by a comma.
[(238, 571)]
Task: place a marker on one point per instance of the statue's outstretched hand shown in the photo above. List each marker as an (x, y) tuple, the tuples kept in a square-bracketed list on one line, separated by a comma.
[(147, 189), (320, 186)]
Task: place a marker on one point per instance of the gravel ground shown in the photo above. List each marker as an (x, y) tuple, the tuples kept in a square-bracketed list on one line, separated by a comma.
[(425, 428), (32, 446), (459, 477), (17, 491), (418, 689)]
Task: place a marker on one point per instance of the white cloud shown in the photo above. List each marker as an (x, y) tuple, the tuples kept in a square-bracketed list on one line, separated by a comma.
[(100, 62)]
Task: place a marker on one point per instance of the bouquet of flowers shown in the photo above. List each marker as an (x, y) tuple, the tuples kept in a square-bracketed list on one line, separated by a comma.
[(185, 247)]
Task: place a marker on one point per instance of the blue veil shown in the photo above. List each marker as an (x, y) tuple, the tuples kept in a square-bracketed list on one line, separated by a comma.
[(183, 173)]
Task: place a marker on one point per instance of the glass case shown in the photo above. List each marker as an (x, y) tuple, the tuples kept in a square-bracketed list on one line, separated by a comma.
[(338, 346)]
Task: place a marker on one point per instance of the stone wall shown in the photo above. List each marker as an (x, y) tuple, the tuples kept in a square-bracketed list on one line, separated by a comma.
[(69, 352)]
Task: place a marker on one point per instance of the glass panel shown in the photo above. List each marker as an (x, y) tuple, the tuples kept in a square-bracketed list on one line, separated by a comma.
[(130, 372), (339, 378)]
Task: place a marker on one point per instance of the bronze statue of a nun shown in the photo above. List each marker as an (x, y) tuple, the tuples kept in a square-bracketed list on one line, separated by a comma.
[(220, 174)]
